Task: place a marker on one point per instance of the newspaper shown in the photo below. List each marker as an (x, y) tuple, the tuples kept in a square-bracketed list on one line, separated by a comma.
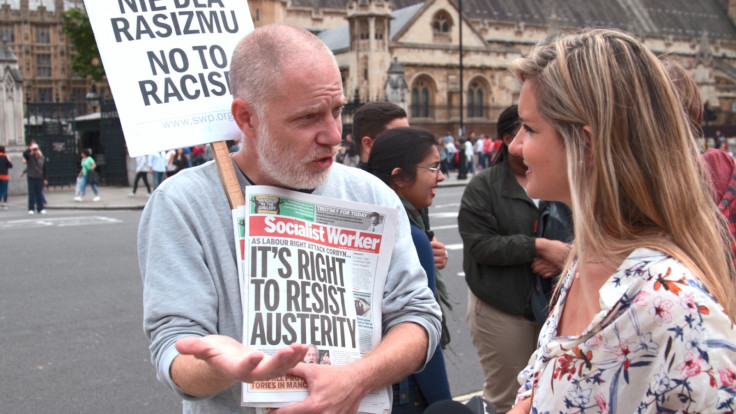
[(312, 271)]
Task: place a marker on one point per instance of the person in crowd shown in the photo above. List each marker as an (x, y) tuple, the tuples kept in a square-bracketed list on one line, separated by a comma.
[(407, 160), (179, 160), (468, 150), (26, 157), (478, 148), (169, 159), (209, 155), (497, 144), (5, 165), (452, 153), (443, 157), (448, 137), (36, 176), (197, 155), (158, 167), (718, 140), (498, 225), (287, 101), (89, 175), (643, 320), (487, 150), (141, 173), (369, 121), (721, 166)]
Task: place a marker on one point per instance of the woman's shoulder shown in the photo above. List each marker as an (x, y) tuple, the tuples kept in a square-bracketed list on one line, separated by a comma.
[(665, 297), (647, 271)]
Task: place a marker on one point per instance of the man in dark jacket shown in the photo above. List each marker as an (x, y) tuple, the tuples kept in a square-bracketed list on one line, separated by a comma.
[(36, 173)]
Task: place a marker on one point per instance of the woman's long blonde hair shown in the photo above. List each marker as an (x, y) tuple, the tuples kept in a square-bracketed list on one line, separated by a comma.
[(636, 180)]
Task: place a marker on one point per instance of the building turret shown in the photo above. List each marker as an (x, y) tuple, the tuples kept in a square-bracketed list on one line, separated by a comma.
[(11, 97), (370, 27)]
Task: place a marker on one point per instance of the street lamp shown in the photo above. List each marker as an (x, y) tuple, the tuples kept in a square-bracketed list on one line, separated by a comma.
[(461, 133), (93, 98)]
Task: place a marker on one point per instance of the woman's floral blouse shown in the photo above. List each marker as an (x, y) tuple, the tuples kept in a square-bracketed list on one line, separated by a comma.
[(661, 343)]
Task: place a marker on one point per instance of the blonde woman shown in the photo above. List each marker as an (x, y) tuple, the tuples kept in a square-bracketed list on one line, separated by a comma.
[(643, 319)]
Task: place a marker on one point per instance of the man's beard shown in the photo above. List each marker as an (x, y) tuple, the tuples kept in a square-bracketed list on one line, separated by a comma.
[(281, 164)]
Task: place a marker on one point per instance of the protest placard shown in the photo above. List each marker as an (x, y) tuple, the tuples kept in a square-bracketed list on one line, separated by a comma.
[(167, 63)]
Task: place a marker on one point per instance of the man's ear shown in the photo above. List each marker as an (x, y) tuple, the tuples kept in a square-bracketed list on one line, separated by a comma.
[(245, 116), (367, 143)]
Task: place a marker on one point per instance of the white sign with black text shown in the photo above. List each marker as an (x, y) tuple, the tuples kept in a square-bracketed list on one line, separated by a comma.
[(167, 63)]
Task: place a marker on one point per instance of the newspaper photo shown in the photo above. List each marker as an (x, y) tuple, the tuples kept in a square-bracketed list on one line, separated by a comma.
[(312, 271)]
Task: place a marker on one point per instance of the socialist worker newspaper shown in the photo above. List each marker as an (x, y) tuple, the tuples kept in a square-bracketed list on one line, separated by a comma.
[(312, 271)]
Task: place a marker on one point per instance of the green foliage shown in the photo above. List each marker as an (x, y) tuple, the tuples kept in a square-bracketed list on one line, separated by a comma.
[(87, 63)]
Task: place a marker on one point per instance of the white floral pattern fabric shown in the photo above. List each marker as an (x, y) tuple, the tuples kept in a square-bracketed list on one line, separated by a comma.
[(661, 344)]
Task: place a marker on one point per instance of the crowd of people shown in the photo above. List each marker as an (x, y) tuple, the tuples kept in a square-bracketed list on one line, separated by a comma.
[(165, 164), (464, 156), (599, 267)]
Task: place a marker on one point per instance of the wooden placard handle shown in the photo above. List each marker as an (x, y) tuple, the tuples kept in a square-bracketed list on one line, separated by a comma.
[(227, 174)]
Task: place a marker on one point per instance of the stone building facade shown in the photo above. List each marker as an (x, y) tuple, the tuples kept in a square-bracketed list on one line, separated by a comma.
[(370, 36), (33, 30), (422, 39)]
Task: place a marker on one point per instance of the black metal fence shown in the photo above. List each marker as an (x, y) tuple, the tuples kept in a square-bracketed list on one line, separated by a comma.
[(51, 126), (114, 157)]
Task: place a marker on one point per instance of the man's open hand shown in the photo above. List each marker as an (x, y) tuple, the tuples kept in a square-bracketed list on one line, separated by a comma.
[(231, 359)]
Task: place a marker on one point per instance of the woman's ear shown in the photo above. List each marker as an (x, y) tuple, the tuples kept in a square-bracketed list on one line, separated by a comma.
[(397, 179)]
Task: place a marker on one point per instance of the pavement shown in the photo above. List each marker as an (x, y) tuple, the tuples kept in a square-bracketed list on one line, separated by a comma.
[(117, 198), (62, 198)]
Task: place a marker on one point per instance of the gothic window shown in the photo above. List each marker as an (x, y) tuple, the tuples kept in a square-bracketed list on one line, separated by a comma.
[(379, 31), (43, 66), (43, 35), (7, 33), (364, 32), (79, 95), (9, 88), (45, 95), (420, 100), (475, 100), (441, 24)]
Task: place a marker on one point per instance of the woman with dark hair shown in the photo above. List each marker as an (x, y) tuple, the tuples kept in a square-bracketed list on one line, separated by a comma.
[(498, 224), (407, 160), (179, 160)]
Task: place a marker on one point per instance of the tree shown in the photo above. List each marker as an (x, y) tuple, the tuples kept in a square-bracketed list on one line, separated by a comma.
[(87, 62)]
